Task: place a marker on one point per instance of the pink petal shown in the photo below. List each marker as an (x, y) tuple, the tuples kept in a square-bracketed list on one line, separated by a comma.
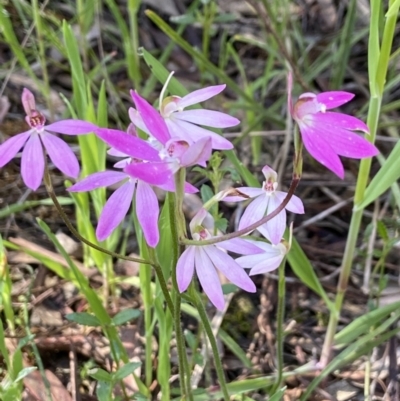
[(208, 278), (240, 246), (315, 142), (249, 191), (274, 229), (347, 143), (128, 144), (267, 265), (116, 153), (331, 120), (270, 174), (230, 269), (32, 162), (200, 95), (249, 261), (198, 153), (152, 173), (190, 132), (185, 268), (152, 119), (61, 155), (197, 220), (295, 204), (147, 211), (137, 120), (11, 147), (98, 180), (334, 99), (115, 210), (209, 118), (71, 127), (254, 212)]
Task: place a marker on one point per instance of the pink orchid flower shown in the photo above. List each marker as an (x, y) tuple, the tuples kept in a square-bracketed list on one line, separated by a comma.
[(173, 153), (265, 262), (184, 124), (117, 205), (207, 259), (266, 200), (37, 139), (327, 135)]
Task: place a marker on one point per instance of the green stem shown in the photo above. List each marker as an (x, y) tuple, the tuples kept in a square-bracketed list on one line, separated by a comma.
[(280, 316), (133, 9), (178, 228), (207, 327), (377, 75), (145, 287)]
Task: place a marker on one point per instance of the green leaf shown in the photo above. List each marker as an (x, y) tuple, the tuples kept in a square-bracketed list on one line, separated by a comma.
[(18, 207), (303, 269), (101, 375), (234, 347), (126, 370), (387, 175), (362, 324), (125, 316), (161, 73), (24, 372), (228, 288), (84, 318), (278, 395), (103, 391)]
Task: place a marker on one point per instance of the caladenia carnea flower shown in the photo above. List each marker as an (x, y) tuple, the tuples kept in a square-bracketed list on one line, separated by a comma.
[(39, 139), (184, 124), (327, 135), (117, 205), (266, 200), (267, 261), (173, 153), (206, 260)]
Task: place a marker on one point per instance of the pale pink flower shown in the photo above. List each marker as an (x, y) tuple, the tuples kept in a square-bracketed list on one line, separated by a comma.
[(266, 200), (265, 262), (207, 259)]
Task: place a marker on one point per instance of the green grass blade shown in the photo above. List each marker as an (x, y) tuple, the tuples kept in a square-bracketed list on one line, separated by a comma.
[(387, 175)]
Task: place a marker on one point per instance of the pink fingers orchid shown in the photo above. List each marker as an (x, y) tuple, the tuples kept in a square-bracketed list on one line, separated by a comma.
[(327, 135), (266, 200), (206, 260), (185, 124), (173, 153), (37, 139), (117, 206), (265, 262)]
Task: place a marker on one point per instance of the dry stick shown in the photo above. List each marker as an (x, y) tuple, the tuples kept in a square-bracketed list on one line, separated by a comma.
[(251, 227), (269, 28)]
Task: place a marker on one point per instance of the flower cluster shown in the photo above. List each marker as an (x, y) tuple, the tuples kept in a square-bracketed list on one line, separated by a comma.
[(177, 139)]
